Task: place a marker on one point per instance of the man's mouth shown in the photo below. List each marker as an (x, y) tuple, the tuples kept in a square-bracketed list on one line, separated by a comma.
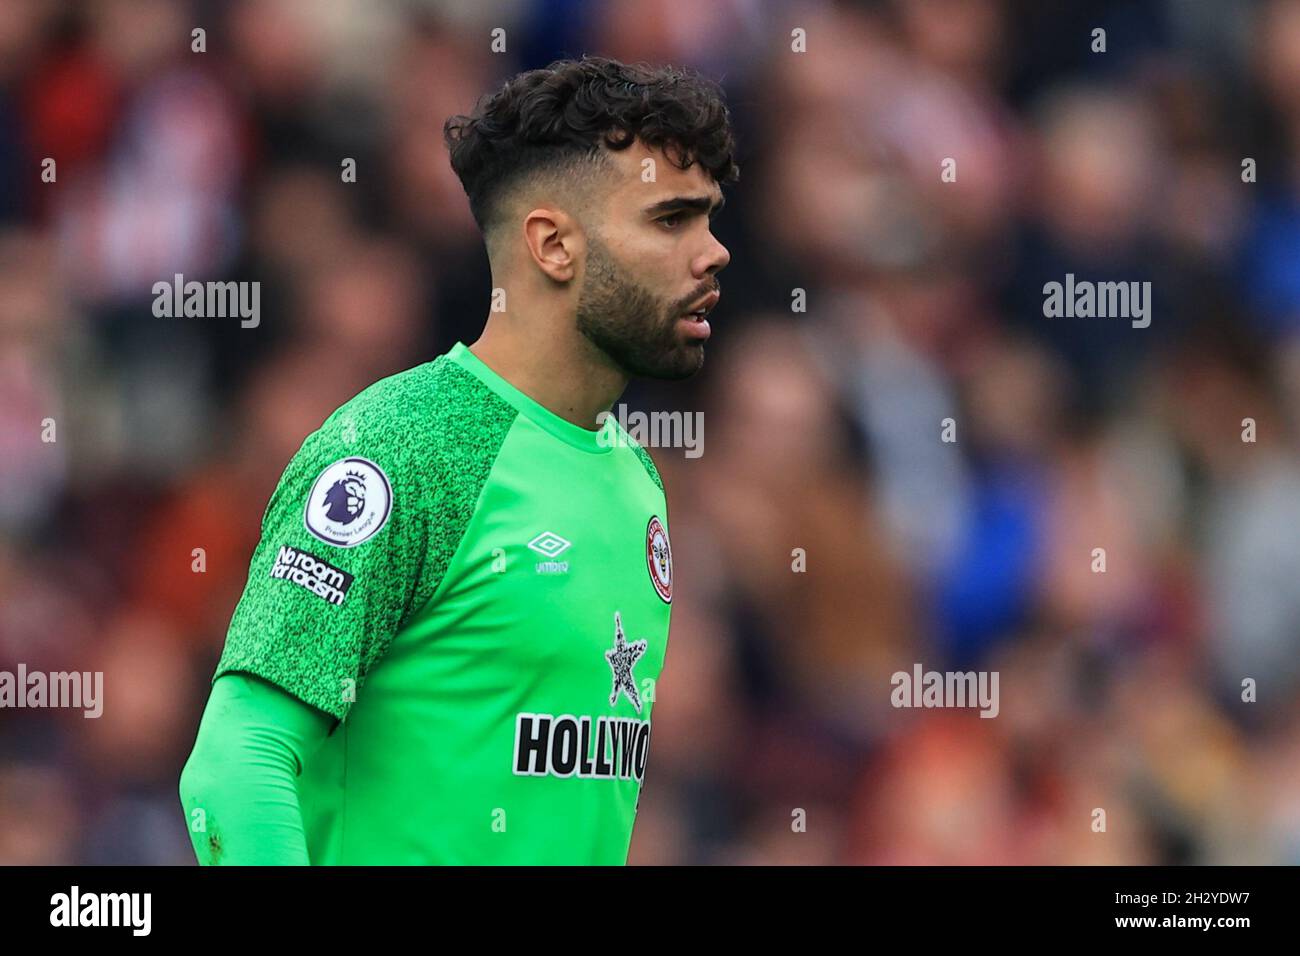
[(704, 306)]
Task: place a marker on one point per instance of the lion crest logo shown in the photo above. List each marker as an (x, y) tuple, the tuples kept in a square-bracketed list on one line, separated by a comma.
[(349, 502), (346, 498)]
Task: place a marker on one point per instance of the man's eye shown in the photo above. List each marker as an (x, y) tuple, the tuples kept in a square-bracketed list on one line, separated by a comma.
[(672, 220)]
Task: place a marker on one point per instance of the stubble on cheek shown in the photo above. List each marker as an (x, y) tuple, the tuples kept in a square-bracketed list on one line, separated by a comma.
[(636, 329)]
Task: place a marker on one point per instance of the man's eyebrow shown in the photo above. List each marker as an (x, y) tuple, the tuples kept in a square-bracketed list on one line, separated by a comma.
[(693, 203)]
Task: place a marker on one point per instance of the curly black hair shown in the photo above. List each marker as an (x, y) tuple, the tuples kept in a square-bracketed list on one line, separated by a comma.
[(556, 119)]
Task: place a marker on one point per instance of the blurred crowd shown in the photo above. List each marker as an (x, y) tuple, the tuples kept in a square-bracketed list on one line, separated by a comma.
[(775, 739)]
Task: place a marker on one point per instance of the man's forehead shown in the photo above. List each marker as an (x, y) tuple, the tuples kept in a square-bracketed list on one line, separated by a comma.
[(668, 180)]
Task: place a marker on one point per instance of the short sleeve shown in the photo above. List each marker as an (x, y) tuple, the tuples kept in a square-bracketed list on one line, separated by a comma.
[(340, 565)]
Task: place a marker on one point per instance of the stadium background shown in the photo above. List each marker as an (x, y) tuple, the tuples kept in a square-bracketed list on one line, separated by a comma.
[(1118, 690)]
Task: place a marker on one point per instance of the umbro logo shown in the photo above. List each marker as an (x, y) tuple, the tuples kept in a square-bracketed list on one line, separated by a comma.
[(550, 545)]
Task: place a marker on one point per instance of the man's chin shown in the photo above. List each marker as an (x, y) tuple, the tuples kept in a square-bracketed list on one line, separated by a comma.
[(684, 362)]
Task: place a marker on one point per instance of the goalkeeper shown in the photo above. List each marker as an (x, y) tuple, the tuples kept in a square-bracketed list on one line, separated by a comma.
[(447, 645)]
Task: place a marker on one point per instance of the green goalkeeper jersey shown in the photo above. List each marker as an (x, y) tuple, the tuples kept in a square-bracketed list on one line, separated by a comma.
[(479, 590)]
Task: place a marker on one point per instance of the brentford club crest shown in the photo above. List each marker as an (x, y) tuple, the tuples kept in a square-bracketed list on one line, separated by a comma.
[(659, 558)]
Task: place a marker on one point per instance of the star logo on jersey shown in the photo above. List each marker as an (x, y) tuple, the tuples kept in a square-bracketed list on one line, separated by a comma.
[(622, 658)]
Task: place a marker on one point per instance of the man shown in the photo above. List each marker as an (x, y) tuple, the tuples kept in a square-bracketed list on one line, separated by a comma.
[(447, 646)]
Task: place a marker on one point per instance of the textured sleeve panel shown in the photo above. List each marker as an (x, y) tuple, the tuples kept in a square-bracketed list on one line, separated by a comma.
[(645, 458), (468, 433), (360, 531)]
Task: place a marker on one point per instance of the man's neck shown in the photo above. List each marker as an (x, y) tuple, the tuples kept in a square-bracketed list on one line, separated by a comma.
[(571, 378)]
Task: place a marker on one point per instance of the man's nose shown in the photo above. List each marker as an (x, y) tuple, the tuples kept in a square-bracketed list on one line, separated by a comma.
[(714, 259)]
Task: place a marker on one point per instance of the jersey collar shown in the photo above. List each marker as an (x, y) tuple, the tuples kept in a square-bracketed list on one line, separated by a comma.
[(599, 441)]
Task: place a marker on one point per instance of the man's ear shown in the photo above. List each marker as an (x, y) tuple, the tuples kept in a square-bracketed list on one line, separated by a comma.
[(554, 242)]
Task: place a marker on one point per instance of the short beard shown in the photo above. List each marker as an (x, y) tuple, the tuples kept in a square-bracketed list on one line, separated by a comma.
[(630, 324)]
